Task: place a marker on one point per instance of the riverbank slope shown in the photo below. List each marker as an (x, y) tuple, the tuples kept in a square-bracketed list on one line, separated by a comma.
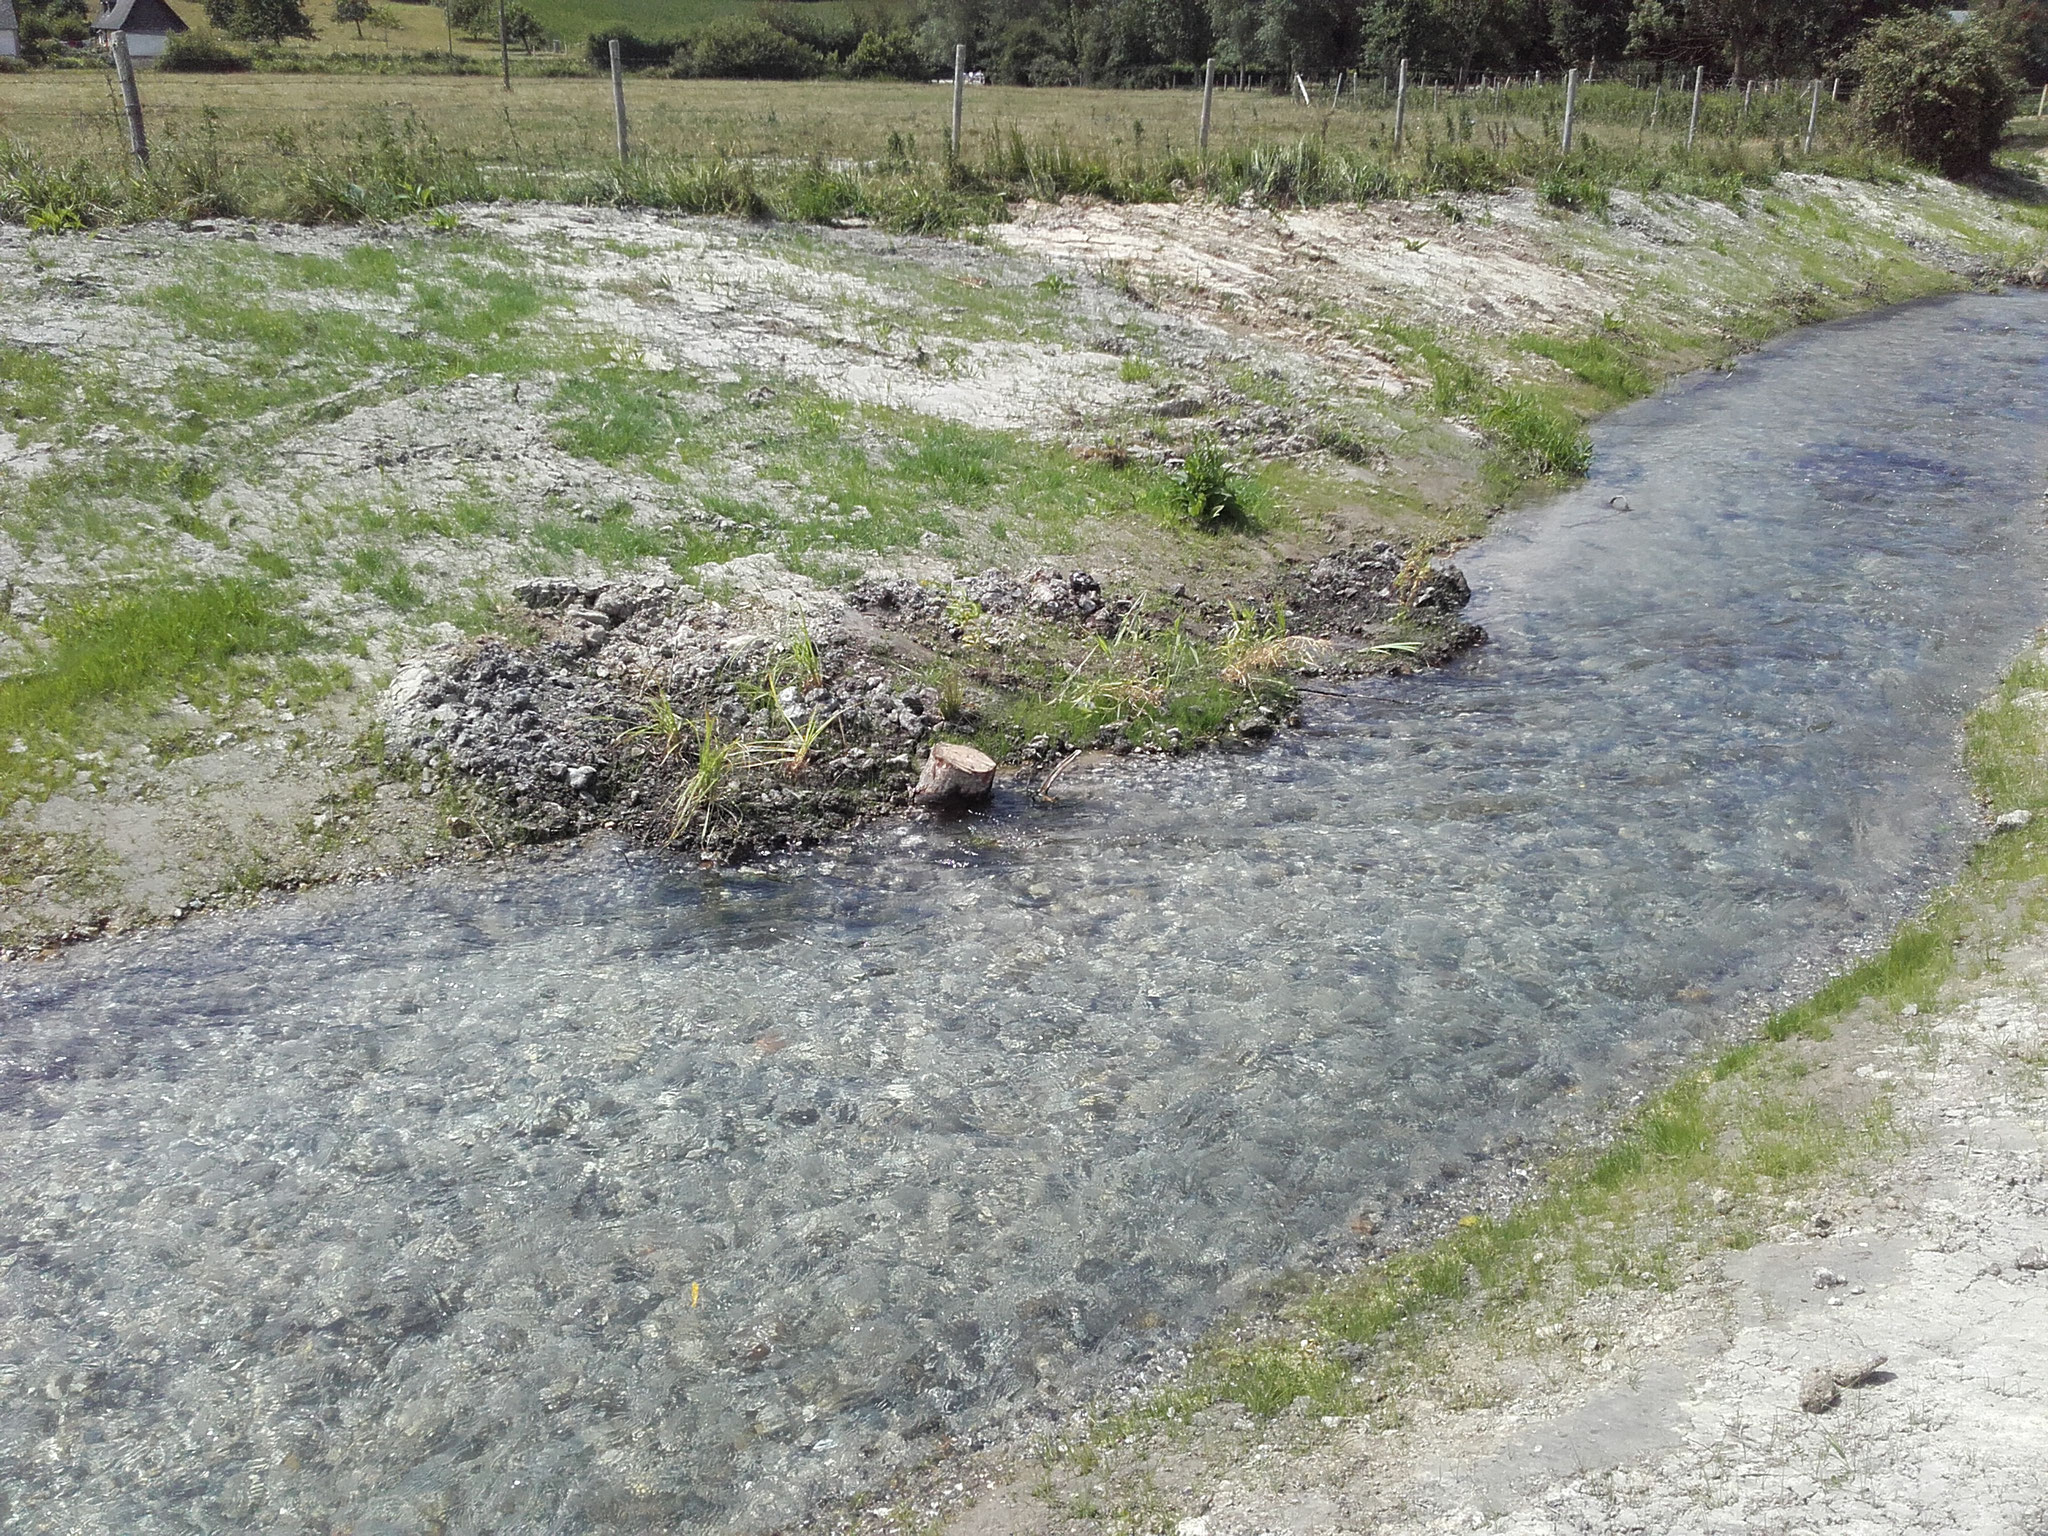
[(254, 474)]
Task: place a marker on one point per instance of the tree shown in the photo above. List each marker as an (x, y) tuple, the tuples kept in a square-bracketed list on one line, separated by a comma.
[(2021, 29), (474, 18), (45, 23), (352, 11), (523, 27), (1312, 36), (1588, 29), (263, 21), (1936, 92), (1738, 27), (1393, 30)]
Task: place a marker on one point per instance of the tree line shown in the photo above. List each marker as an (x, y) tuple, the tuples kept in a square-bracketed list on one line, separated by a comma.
[(1159, 42), (1155, 42), (1079, 42)]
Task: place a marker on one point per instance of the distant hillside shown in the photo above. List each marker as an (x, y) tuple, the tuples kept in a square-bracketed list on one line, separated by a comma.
[(575, 20)]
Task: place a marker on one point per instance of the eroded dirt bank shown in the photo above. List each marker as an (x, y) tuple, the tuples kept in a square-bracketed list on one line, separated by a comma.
[(326, 459)]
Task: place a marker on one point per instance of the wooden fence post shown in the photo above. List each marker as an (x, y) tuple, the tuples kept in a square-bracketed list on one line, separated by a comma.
[(1400, 104), (2042, 110), (1813, 117), (504, 46), (1571, 106), (1208, 95), (131, 99), (1699, 84), (959, 90), (619, 99)]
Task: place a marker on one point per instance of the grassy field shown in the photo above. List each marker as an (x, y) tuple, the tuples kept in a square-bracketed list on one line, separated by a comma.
[(563, 126), (577, 19), (423, 28)]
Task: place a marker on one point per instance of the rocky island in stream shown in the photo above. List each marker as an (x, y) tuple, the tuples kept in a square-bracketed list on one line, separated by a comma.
[(757, 710)]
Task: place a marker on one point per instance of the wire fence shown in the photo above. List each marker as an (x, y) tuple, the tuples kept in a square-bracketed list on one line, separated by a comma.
[(347, 145)]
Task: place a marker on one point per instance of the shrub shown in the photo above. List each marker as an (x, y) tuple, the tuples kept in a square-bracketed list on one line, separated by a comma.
[(746, 48), (887, 56), (635, 51), (2021, 28), (267, 21), (201, 53), (1207, 491), (1932, 91), (1578, 194)]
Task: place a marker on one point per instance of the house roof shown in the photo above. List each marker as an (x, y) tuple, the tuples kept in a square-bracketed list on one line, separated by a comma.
[(7, 21), (138, 16)]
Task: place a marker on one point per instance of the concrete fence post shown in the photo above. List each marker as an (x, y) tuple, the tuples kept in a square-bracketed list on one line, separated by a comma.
[(1208, 96), (1699, 84), (959, 91), (619, 99), (1571, 107), (1400, 103), (131, 99), (1812, 117)]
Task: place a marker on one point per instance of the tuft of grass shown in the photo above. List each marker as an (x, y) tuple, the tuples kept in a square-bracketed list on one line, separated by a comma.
[(1155, 685), (618, 415), (125, 650), (718, 755), (1537, 433), (1576, 193), (1257, 647), (1534, 433), (1597, 360)]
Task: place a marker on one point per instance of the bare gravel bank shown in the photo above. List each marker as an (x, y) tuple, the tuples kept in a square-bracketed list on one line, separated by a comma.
[(377, 434)]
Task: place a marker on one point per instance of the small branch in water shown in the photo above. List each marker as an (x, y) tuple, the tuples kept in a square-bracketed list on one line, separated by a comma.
[(1045, 789)]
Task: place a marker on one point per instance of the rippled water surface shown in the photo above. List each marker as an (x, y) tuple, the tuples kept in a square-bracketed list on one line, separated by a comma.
[(599, 1197)]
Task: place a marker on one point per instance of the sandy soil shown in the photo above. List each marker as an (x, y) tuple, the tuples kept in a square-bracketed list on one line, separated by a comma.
[(1492, 268)]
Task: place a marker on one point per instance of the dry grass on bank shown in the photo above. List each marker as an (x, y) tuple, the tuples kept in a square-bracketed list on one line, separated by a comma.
[(564, 126)]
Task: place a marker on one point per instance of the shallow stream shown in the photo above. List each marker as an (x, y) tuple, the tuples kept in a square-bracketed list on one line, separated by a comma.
[(595, 1195)]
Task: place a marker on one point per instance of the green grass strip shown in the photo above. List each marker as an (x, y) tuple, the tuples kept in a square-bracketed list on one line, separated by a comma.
[(135, 646)]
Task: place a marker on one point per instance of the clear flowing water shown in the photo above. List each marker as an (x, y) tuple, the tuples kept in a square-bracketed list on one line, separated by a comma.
[(596, 1195)]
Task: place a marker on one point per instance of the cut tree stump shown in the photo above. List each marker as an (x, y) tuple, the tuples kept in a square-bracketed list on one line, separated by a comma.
[(955, 772)]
